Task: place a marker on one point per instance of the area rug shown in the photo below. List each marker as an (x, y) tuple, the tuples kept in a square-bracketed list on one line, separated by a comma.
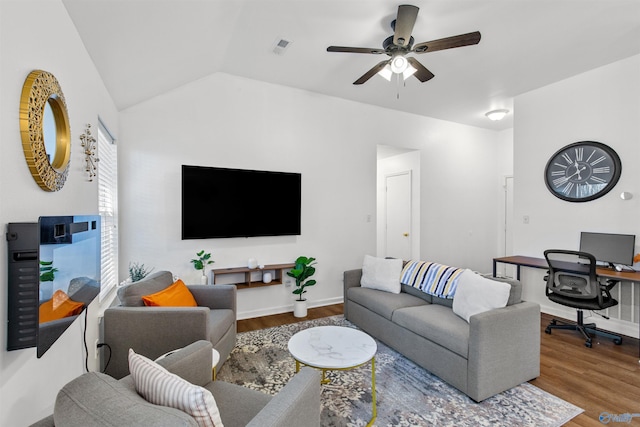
[(407, 395)]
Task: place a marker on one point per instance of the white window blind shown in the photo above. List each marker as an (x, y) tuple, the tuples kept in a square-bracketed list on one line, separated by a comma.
[(108, 208)]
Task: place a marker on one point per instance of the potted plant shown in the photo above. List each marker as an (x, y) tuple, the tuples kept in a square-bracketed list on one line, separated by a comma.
[(199, 263), (138, 271), (303, 269)]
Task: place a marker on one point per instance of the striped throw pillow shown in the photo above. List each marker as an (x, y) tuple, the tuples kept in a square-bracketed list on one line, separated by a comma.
[(161, 387)]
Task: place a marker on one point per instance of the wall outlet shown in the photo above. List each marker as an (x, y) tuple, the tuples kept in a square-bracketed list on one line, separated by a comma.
[(95, 347), (288, 282)]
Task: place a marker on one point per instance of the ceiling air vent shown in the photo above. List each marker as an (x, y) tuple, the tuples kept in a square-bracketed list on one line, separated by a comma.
[(281, 45)]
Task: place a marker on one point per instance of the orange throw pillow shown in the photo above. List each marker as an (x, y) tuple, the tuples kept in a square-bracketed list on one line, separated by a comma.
[(58, 307), (176, 295)]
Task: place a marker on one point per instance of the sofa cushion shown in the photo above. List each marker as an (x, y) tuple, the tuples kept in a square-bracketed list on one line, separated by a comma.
[(176, 295), (159, 386), (477, 294), (96, 399), (131, 295), (382, 274), (436, 323), (382, 303)]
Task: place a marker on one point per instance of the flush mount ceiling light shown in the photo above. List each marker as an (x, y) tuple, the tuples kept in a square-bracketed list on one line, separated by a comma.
[(496, 115)]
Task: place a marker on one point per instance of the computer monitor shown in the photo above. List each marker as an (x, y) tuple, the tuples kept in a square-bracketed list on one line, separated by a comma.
[(610, 249)]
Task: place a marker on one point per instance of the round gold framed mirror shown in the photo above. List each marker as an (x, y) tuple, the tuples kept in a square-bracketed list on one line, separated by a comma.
[(44, 128)]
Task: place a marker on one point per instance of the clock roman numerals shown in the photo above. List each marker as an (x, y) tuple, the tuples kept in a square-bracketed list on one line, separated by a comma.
[(582, 171)]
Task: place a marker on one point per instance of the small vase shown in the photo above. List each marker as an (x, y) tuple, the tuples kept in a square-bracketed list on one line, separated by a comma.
[(266, 278), (204, 280), (300, 308)]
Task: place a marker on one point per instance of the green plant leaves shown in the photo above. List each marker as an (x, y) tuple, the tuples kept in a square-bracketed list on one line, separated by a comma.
[(202, 260), (301, 272)]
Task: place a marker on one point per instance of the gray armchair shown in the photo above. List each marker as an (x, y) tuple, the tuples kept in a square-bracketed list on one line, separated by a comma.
[(154, 331), (95, 399)]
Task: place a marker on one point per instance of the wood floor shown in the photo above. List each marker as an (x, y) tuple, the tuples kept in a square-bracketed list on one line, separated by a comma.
[(604, 378)]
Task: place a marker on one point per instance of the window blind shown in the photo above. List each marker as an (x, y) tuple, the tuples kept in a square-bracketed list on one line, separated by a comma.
[(108, 208)]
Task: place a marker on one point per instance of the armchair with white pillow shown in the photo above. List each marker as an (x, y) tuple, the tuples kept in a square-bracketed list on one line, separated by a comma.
[(183, 380)]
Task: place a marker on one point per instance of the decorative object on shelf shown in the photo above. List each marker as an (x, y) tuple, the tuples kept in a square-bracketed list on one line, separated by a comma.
[(200, 263), (251, 277), (267, 278), (89, 145), (138, 271), (252, 263), (44, 130), (582, 171), (302, 271)]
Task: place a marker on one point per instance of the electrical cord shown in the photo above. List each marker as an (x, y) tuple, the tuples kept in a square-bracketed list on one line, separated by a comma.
[(86, 348)]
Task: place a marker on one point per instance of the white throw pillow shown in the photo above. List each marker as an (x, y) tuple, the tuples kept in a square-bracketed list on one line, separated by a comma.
[(161, 387), (476, 294), (381, 274)]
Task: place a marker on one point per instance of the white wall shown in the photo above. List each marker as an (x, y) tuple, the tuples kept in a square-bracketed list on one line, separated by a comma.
[(228, 121), (601, 105), (40, 35)]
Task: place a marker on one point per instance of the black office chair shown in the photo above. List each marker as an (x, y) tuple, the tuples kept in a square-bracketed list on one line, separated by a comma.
[(572, 281)]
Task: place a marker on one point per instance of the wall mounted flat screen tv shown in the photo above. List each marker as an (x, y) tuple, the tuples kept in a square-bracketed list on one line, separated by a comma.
[(221, 202)]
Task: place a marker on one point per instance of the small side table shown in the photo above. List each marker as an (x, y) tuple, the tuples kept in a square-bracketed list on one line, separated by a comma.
[(215, 359)]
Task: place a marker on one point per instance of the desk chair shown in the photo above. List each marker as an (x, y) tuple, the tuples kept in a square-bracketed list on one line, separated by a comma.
[(572, 281)]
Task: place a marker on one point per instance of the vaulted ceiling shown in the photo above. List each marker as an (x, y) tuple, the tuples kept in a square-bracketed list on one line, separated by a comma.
[(143, 48)]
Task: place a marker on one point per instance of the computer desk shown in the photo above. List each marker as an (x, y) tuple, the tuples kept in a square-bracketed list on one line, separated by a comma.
[(527, 261)]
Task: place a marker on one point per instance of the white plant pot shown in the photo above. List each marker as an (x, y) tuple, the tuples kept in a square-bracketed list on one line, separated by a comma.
[(300, 308), (204, 280)]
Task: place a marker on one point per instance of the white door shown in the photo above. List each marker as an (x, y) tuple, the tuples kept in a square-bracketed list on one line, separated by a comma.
[(398, 215)]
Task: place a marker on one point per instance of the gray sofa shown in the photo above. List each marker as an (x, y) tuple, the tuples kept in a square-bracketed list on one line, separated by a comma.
[(154, 331), (495, 351), (95, 399)]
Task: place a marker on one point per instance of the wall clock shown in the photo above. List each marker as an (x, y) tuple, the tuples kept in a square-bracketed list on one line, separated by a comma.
[(582, 171)]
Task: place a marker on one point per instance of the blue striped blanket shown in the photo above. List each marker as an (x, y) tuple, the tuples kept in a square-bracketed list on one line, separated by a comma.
[(435, 279)]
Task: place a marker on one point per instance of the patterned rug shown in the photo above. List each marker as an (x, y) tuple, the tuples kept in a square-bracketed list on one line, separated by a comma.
[(407, 394)]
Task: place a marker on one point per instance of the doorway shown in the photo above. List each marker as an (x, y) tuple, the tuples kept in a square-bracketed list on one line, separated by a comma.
[(398, 203)]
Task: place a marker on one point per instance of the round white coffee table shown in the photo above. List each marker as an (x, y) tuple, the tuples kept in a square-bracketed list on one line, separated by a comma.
[(335, 348)]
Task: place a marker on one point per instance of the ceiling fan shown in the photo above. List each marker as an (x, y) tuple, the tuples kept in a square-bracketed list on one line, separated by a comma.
[(400, 44)]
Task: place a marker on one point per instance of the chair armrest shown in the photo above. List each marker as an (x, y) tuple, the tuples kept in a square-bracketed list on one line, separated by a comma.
[(215, 296), (151, 331), (192, 363), (351, 280), (297, 404), (504, 348)]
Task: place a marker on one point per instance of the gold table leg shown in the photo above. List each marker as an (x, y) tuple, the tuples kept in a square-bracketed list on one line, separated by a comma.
[(374, 406)]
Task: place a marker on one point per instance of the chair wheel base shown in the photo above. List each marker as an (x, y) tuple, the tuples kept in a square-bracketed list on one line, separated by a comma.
[(548, 330), (617, 341)]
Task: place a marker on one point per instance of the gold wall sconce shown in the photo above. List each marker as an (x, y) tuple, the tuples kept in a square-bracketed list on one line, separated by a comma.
[(89, 146)]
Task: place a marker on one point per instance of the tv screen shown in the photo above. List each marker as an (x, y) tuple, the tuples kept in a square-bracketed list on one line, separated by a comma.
[(220, 202), (609, 248)]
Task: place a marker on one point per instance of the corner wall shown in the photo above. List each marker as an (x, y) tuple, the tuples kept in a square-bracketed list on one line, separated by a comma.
[(40, 35), (600, 105), (228, 121)]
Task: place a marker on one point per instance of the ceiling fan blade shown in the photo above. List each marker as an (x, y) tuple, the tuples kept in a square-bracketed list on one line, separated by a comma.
[(448, 43), (405, 21), (422, 74), (355, 49), (372, 72)]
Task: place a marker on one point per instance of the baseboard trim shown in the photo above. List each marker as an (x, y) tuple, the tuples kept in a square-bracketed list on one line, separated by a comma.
[(269, 311)]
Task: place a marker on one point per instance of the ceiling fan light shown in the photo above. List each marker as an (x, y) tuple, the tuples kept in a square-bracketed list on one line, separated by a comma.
[(496, 115), (386, 73), (410, 71), (399, 64)]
